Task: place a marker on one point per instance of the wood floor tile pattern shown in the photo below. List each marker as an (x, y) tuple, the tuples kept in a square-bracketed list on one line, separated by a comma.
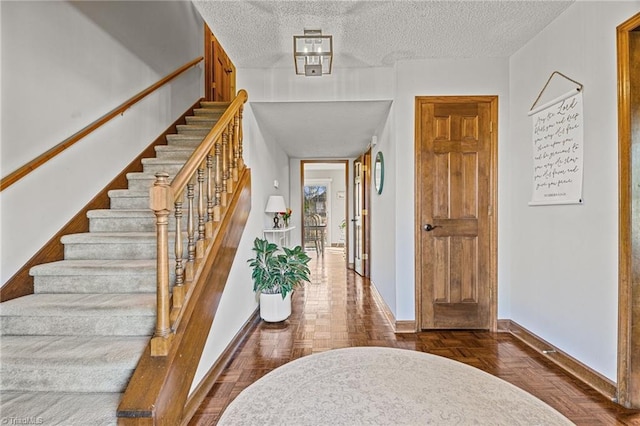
[(337, 311)]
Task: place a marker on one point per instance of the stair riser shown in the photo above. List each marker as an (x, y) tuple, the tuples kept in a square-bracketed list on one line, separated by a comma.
[(123, 203), (77, 326), (172, 169), (143, 183), (193, 130), (178, 154), (124, 224), (208, 112), (139, 250), (201, 121), (139, 203), (72, 378), (140, 283), (185, 141)]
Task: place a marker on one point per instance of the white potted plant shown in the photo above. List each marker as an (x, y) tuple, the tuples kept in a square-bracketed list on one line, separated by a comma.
[(276, 273)]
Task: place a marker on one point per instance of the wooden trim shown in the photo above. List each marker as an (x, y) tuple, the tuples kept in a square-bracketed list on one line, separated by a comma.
[(628, 312), (404, 326), (503, 325), (159, 387), (386, 311), (569, 364), (21, 172), (346, 200), (205, 385), (21, 283), (493, 203)]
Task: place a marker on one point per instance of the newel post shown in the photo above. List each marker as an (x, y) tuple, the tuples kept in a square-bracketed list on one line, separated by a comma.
[(161, 202)]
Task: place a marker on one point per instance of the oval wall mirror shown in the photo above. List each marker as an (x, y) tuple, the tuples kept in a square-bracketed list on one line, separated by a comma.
[(378, 170)]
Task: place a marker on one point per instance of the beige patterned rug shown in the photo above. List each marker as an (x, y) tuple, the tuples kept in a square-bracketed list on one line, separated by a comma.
[(384, 386)]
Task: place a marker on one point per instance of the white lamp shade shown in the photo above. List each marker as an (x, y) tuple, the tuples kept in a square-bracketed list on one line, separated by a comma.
[(275, 204)]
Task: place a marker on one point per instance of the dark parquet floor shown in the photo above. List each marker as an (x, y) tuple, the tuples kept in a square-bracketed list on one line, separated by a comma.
[(336, 310)]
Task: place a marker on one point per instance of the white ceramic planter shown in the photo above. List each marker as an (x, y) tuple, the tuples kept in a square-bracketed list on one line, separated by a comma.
[(273, 308)]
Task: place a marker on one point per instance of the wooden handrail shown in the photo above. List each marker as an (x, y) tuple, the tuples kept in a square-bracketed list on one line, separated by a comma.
[(21, 172), (181, 179), (210, 172)]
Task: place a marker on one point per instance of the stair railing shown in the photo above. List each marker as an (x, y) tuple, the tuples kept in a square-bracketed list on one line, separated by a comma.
[(204, 181)]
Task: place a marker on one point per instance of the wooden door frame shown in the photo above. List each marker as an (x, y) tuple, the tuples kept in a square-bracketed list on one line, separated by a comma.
[(346, 200), (628, 385), (493, 203)]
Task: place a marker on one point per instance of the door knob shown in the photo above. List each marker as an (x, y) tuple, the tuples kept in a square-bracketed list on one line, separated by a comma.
[(429, 227)]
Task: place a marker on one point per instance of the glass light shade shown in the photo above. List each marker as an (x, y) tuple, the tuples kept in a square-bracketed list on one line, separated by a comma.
[(313, 51)]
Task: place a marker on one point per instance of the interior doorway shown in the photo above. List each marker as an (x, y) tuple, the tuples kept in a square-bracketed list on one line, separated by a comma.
[(628, 385), (324, 206), (456, 245)]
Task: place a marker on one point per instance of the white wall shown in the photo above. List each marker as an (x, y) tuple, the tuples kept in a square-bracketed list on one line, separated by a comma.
[(63, 66), (562, 261), (382, 218), (429, 78), (268, 163)]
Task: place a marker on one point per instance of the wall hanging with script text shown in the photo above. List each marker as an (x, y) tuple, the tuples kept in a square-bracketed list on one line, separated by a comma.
[(557, 135)]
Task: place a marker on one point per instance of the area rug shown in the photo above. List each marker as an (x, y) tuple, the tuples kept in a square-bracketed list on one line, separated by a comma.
[(384, 386)]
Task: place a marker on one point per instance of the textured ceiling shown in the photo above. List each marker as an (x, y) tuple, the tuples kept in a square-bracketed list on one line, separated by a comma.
[(259, 34)]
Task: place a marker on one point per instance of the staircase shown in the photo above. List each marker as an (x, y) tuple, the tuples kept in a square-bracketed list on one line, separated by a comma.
[(69, 350)]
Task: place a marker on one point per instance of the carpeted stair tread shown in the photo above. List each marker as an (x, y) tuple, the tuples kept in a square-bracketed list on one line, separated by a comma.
[(69, 363), (167, 165), (80, 305), (189, 129), (202, 120), (173, 152), (184, 140), (62, 408), (123, 199), (79, 314), (209, 112), (221, 105), (115, 245), (100, 213), (128, 220), (96, 276)]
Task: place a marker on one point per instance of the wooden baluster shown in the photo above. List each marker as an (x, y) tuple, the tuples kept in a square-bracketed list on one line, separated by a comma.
[(191, 240), (161, 202), (178, 288), (230, 158), (218, 174), (225, 172), (240, 135), (201, 227), (210, 196), (236, 138)]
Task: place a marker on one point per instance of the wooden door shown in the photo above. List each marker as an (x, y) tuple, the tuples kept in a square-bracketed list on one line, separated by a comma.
[(219, 70), (361, 195), (455, 241)]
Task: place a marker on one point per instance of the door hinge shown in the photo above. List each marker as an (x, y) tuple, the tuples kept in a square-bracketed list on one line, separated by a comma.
[(364, 212), (365, 168), (491, 127), (365, 256)]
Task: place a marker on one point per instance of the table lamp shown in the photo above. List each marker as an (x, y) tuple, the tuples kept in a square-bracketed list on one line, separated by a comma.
[(275, 205)]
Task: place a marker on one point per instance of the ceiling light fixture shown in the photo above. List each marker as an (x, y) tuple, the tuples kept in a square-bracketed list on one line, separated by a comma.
[(313, 53)]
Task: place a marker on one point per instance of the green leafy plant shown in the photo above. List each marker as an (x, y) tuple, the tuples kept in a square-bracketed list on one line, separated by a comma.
[(277, 271)]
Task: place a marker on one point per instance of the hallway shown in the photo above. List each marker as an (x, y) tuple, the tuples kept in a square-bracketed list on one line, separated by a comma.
[(336, 310)]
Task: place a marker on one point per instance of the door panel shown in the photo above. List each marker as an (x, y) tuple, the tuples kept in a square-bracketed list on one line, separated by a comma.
[(453, 172)]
